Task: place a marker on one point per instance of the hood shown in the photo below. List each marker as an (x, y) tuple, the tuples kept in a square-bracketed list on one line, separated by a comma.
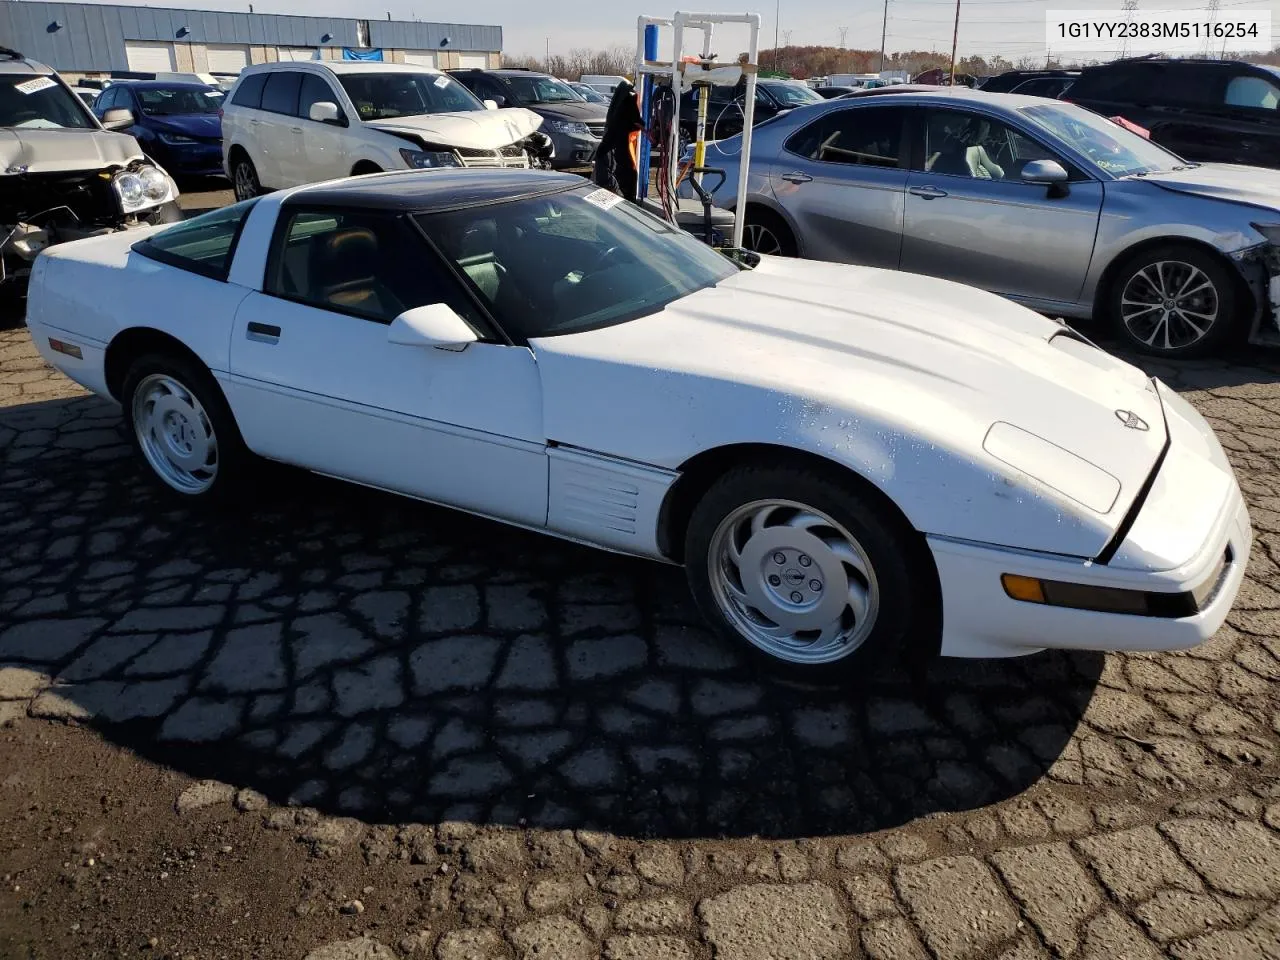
[(205, 125), (571, 110), (903, 377), (471, 129), (1223, 181), (62, 151)]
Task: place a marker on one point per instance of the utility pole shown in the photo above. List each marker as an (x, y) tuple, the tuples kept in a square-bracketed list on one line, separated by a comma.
[(844, 32), (955, 36), (547, 62), (786, 42), (777, 19), (884, 30)]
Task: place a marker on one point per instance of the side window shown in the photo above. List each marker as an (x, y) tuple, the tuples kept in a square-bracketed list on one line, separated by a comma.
[(486, 88), (205, 244), (1251, 90), (280, 95), (249, 93), (863, 137), (971, 145), (355, 262), (315, 90)]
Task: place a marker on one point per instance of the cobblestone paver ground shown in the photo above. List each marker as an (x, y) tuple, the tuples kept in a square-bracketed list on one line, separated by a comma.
[(586, 772)]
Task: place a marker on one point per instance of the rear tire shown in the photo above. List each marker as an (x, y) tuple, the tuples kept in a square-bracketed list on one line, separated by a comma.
[(1176, 301), (179, 423), (766, 232), (244, 178), (806, 572)]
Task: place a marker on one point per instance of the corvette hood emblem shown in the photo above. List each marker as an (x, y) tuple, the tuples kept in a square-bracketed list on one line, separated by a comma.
[(1131, 420)]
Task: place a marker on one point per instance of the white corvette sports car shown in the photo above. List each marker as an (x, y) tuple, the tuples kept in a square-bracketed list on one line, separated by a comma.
[(834, 453)]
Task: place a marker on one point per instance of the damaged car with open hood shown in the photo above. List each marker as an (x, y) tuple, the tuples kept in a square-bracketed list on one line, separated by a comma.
[(64, 175), (287, 124)]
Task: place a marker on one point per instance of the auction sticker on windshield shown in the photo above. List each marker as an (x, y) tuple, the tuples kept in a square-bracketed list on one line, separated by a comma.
[(35, 86), (602, 198), (442, 81)]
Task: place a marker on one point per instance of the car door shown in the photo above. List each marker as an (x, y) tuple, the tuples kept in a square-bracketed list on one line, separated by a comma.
[(970, 217), (276, 130), (318, 384), (320, 148), (842, 180)]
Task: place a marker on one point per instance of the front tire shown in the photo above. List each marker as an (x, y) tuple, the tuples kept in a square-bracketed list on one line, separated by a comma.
[(1175, 301), (806, 571), (181, 426), (244, 178)]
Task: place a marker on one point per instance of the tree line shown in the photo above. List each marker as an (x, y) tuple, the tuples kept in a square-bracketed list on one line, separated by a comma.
[(803, 62)]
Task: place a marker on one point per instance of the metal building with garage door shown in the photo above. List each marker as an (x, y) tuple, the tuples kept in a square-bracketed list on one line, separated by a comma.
[(101, 40)]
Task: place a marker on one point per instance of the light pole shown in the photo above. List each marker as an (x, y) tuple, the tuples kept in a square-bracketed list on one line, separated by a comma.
[(547, 62), (777, 19), (955, 35), (884, 30)]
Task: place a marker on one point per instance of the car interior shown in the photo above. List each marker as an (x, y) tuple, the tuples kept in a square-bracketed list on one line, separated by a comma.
[(971, 146)]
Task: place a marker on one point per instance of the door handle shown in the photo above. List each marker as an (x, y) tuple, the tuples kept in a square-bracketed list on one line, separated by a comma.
[(927, 193), (296, 129), (796, 177), (262, 332)]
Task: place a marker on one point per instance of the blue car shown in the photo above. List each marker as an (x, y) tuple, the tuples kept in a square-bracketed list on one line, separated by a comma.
[(177, 124)]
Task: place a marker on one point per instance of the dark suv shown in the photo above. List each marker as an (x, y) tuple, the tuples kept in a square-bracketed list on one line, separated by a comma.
[(573, 124), (1222, 111)]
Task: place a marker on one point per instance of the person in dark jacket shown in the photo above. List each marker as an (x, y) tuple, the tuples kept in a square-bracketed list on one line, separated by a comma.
[(615, 163)]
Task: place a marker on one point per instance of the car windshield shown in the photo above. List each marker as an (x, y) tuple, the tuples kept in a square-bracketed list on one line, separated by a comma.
[(537, 89), (40, 102), (587, 93), (382, 96), (792, 94), (176, 101), (573, 261), (1114, 149)]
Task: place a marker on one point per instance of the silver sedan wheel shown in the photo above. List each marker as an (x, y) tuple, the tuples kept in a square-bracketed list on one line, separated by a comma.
[(793, 582), (1169, 305), (175, 434), (246, 187), (761, 239)]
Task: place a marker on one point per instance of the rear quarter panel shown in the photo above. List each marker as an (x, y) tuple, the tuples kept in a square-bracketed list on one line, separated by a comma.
[(92, 290)]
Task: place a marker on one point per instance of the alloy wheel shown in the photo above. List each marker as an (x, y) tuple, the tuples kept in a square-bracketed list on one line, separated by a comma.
[(245, 183), (761, 239), (1169, 305), (793, 582), (175, 434)]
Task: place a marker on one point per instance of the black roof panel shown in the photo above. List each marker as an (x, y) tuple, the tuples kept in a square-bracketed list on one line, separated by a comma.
[(425, 191)]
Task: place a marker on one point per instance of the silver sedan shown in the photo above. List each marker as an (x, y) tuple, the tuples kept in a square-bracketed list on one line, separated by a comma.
[(1044, 202)]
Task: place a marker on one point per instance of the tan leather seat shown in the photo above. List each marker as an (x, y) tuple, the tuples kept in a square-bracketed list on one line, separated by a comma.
[(344, 273)]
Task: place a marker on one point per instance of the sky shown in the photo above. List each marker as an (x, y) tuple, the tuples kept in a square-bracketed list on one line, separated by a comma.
[(1012, 28)]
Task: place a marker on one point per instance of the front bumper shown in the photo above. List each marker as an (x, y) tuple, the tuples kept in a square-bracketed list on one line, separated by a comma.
[(573, 150), (1193, 519), (194, 160)]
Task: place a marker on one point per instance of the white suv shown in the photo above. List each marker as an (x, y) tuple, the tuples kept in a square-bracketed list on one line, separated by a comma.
[(285, 124)]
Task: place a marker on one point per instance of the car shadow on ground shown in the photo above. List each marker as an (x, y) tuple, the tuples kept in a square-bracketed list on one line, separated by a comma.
[(368, 655)]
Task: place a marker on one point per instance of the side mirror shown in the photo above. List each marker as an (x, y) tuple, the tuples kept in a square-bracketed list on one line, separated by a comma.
[(325, 111), (493, 103), (1047, 172), (435, 325), (117, 119)]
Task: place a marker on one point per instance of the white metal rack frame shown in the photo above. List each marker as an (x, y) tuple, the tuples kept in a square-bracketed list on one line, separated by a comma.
[(702, 70)]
